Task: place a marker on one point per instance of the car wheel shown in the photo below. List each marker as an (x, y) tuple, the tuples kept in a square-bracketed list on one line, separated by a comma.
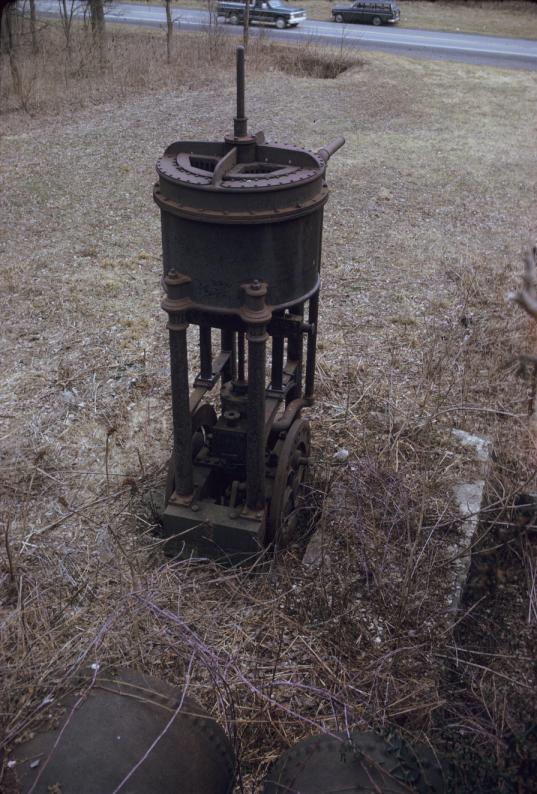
[(280, 23), (338, 18), (377, 21), (233, 19)]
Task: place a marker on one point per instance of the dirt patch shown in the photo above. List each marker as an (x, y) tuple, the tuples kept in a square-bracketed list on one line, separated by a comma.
[(302, 63), (430, 200)]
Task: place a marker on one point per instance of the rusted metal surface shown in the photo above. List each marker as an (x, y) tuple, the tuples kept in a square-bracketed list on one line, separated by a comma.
[(182, 424), (118, 734), (249, 196), (285, 506), (241, 231), (355, 763)]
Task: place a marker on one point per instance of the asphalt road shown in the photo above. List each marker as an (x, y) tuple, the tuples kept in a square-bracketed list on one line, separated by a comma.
[(470, 48)]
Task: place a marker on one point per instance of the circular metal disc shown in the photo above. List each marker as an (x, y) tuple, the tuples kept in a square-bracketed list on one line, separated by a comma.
[(291, 470), (108, 734)]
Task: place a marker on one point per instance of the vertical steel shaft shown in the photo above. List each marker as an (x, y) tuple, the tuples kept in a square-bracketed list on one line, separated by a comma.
[(228, 344), (206, 355), (240, 121), (276, 374), (240, 82), (240, 357), (295, 353), (182, 423), (255, 439), (313, 316)]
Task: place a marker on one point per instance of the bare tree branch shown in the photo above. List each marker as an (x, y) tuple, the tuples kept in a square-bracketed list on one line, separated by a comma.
[(169, 30), (527, 296)]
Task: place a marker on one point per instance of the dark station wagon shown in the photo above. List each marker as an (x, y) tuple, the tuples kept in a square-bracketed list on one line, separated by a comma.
[(373, 12)]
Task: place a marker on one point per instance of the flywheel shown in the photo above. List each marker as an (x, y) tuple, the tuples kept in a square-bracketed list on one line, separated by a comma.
[(287, 501)]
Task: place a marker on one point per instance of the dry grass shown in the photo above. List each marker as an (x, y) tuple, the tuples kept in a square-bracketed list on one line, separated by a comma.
[(431, 197), (500, 18), (54, 81)]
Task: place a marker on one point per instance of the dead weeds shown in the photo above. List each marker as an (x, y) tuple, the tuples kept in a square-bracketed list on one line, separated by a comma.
[(430, 199), (57, 79)]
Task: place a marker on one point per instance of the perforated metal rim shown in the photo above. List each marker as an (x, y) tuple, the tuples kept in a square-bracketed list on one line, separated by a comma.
[(193, 164)]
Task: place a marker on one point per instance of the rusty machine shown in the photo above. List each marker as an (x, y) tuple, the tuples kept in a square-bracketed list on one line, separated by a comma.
[(241, 232)]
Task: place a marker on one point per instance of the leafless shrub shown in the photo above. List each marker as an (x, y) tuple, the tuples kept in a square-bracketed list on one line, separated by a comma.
[(98, 30), (67, 10), (18, 55), (89, 70), (169, 30), (526, 298)]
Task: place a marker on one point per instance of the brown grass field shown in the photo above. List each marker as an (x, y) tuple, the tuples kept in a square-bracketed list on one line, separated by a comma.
[(432, 202)]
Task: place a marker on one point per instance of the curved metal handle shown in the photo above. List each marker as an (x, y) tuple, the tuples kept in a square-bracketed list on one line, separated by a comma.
[(326, 152)]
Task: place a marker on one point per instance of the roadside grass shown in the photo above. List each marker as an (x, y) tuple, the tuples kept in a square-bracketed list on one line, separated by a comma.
[(508, 18), (431, 201), (501, 18), (514, 18)]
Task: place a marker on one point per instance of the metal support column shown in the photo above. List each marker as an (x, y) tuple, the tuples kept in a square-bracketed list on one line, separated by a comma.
[(313, 317), (206, 355), (295, 352), (276, 376), (255, 439), (240, 357), (182, 423), (228, 344)]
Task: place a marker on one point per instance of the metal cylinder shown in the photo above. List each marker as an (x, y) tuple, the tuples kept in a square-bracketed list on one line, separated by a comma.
[(218, 257)]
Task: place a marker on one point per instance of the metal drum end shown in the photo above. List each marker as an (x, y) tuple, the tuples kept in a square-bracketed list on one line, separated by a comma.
[(128, 727), (359, 763)]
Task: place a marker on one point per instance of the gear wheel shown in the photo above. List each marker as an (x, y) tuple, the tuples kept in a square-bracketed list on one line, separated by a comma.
[(287, 490)]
